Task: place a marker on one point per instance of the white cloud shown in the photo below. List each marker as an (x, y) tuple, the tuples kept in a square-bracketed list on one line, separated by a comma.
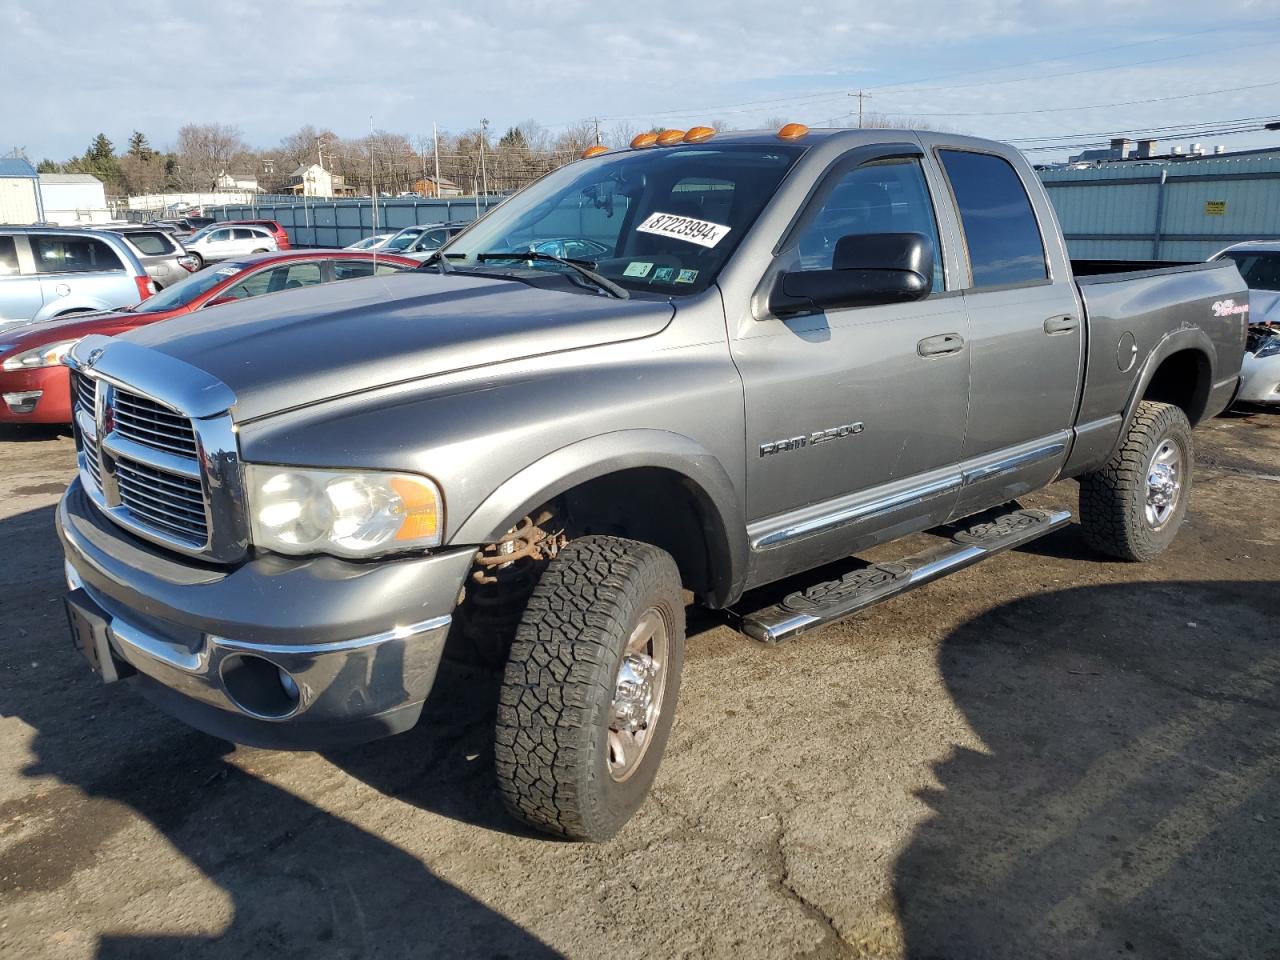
[(269, 68)]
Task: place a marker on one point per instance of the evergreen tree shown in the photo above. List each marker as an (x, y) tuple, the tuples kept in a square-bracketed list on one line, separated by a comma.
[(139, 147)]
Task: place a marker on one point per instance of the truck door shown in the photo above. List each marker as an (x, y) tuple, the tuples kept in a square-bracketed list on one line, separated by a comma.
[(855, 417), (1026, 331)]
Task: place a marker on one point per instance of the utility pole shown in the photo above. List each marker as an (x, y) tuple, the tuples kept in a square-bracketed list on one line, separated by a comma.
[(373, 190), (596, 121), (484, 177), (435, 150), (861, 96)]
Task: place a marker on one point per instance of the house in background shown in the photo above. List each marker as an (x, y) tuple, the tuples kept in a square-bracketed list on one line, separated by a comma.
[(71, 199), (19, 192), (240, 182), (431, 187), (316, 181)]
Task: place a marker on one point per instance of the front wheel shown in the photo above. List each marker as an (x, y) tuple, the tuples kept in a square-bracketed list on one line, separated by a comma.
[(1133, 506), (590, 687)]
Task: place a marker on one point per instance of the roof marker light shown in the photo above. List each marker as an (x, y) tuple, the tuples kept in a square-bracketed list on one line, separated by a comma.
[(642, 140), (594, 151), (667, 137), (792, 131), (698, 134)]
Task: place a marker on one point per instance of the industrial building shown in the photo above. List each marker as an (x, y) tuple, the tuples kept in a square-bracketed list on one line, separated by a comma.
[(1125, 203), (19, 192), (73, 199)]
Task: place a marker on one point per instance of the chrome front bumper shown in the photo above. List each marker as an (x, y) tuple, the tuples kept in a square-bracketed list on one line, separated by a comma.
[(273, 653)]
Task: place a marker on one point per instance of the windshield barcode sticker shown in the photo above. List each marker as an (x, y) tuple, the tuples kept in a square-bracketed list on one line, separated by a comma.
[(702, 232)]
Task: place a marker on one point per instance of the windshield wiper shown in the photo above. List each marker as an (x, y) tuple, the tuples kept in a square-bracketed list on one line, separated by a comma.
[(441, 264), (583, 267)]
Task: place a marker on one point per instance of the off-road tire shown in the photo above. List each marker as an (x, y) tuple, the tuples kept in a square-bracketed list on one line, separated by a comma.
[(1113, 498), (555, 705)]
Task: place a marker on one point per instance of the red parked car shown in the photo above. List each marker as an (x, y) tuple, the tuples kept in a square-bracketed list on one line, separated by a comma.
[(34, 383), (277, 231)]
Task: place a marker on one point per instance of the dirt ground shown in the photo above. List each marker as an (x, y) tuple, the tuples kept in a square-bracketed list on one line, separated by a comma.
[(1047, 755)]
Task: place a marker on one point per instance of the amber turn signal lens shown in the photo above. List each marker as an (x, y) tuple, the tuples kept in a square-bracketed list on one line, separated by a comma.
[(595, 151), (643, 140), (667, 137), (698, 134), (792, 131)]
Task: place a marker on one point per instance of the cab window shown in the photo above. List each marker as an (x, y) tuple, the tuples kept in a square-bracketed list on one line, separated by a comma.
[(884, 196), (8, 257), (1000, 228)]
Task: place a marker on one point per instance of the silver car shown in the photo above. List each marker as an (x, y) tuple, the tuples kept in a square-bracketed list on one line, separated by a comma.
[(221, 241), (160, 253), (48, 272)]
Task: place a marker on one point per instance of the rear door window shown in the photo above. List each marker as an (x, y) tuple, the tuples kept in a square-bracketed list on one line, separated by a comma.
[(1000, 228), (151, 244), (8, 257), (54, 254)]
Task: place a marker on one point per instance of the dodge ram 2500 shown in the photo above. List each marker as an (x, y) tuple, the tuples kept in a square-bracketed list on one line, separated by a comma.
[(703, 364)]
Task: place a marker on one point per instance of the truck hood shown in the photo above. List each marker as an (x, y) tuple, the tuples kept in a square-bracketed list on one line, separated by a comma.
[(297, 347), (1264, 306)]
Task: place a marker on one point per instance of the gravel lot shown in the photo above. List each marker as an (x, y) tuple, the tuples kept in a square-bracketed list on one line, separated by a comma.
[(1047, 755)]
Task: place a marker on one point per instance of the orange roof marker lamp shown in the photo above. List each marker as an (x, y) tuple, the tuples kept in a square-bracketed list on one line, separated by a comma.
[(594, 151), (792, 131), (668, 138)]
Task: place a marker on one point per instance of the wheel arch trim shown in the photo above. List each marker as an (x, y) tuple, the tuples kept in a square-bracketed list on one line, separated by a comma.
[(590, 459)]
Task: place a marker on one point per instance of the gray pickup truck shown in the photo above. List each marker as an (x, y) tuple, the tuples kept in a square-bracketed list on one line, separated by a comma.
[(754, 355)]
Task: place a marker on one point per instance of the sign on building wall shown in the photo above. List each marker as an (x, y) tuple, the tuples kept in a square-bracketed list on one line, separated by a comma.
[(1215, 208)]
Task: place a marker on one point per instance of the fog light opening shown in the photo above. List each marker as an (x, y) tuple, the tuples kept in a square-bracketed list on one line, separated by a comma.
[(259, 687)]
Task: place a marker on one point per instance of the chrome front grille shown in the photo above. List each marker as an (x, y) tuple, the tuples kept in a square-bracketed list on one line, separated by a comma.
[(144, 421), (163, 500), (158, 450)]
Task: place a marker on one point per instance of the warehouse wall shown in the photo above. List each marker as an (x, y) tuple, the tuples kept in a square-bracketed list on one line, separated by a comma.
[(1167, 209)]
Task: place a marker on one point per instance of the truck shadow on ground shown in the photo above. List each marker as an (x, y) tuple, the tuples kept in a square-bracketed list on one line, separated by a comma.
[(297, 880), (1128, 801)]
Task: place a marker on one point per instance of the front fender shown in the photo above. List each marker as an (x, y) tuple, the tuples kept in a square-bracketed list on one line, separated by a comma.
[(585, 460)]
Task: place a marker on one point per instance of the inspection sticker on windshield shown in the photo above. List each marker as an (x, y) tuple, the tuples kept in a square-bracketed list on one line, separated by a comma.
[(637, 268), (702, 232)]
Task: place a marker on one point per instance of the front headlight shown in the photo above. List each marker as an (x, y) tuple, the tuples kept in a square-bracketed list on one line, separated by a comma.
[(50, 355), (1269, 348), (344, 512)]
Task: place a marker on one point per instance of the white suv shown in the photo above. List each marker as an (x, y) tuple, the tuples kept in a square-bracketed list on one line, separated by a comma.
[(222, 242)]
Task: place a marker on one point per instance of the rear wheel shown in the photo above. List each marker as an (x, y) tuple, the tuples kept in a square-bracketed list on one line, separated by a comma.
[(590, 687), (1132, 507)]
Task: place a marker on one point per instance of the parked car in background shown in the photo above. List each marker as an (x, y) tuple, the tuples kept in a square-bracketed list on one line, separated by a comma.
[(405, 238), (48, 272), (432, 239), (33, 380), (221, 242), (375, 242), (277, 231), (160, 253), (1259, 263)]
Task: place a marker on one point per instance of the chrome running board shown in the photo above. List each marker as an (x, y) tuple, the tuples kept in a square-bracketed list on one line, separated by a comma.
[(981, 536)]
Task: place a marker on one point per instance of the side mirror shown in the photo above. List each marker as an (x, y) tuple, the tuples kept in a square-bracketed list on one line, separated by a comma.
[(867, 269)]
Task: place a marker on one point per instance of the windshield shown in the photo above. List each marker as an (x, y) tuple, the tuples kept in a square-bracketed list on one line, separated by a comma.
[(1261, 271), (185, 291), (662, 220), (200, 234)]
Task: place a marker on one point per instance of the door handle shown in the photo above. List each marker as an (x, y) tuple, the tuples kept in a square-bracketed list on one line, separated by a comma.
[(943, 343), (1055, 325)]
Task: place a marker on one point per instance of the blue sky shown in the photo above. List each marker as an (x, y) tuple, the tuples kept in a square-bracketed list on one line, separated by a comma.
[(1010, 69)]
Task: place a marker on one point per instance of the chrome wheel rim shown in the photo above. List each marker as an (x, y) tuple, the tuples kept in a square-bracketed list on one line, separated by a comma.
[(638, 687), (1164, 484)]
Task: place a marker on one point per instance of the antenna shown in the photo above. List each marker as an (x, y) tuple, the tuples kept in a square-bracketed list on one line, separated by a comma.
[(373, 190)]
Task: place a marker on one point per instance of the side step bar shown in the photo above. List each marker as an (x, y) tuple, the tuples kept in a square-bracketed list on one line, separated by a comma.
[(982, 536)]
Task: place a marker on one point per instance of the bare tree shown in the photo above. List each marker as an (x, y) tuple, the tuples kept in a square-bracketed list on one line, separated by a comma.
[(206, 150)]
